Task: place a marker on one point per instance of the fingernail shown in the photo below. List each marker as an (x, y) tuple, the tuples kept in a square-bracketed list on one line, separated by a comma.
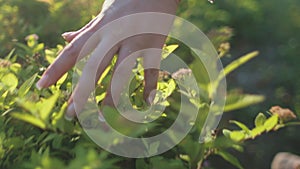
[(64, 35), (42, 82), (151, 97), (150, 100), (68, 118), (69, 115), (67, 36), (101, 117)]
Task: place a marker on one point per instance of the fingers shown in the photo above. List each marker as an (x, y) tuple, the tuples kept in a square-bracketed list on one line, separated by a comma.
[(121, 75), (69, 36), (93, 69), (152, 58), (68, 57)]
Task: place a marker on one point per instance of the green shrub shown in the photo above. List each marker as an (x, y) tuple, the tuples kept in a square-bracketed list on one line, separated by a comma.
[(47, 140)]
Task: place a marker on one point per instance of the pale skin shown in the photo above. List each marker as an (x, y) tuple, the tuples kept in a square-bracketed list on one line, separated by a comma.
[(111, 10)]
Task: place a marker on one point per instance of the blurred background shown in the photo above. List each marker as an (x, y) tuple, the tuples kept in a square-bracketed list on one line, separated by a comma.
[(270, 26)]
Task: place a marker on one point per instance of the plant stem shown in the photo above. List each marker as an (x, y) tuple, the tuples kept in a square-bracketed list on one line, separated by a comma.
[(199, 165)]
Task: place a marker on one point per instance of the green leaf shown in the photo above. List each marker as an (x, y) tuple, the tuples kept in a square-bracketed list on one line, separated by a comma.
[(237, 63), (62, 80), (271, 122), (238, 101), (15, 67), (50, 56), (10, 81), (57, 141), (29, 119), (226, 133), (2, 98), (39, 47), (230, 158), (104, 74), (59, 122), (25, 87), (28, 105), (168, 50), (260, 120), (100, 97), (8, 57), (171, 87), (31, 40), (241, 125), (185, 157), (45, 106), (257, 131), (15, 142), (237, 136), (238, 147)]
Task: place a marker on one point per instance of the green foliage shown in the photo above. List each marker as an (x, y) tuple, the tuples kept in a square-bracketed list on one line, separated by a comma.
[(48, 19), (44, 111), (230, 158), (262, 124), (242, 60)]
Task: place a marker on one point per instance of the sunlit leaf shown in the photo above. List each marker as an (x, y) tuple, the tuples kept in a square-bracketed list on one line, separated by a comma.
[(260, 120), (168, 50), (238, 101), (25, 87), (257, 131), (226, 133), (15, 67), (241, 125), (46, 105), (39, 47), (3, 97), (28, 105), (238, 62), (185, 157), (62, 80), (104, 74), (171, 87), (237, 136), (50, 56), (100, 97), (29, 119), (271, 122), (10, 81)]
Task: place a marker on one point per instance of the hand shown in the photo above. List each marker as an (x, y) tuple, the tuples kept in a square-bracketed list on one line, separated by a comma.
[(103, 49)]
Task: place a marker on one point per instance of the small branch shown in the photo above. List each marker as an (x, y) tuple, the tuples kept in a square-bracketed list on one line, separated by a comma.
[(199, 165), (292, 124)]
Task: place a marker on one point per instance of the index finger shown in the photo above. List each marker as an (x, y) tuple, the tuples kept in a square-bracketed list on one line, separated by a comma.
[(68, 58)]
